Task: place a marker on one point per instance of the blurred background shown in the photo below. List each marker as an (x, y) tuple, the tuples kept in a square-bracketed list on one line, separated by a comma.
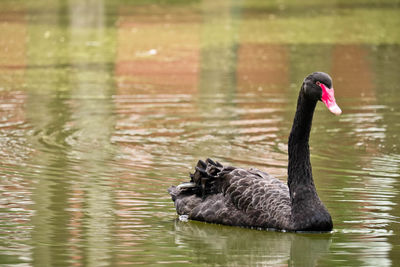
[(105, 104)]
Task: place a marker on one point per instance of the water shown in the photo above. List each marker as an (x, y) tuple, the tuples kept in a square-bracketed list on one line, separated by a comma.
[(105, 104)]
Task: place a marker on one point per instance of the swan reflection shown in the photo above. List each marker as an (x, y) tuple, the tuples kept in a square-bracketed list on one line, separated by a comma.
[(234, 246)]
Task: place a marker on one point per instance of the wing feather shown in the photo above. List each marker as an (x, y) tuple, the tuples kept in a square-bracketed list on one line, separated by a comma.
[(234, 196)]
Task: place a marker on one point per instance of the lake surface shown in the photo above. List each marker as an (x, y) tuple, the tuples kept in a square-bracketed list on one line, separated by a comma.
[(105, 104)]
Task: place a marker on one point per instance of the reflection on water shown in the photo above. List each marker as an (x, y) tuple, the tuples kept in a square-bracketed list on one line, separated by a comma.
[(105, 104), (238, 246)]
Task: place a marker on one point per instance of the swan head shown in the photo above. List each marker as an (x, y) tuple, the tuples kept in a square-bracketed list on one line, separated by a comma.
[(318, 86)]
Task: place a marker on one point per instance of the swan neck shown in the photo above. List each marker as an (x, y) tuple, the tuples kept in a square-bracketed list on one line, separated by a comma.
[(299, 167)]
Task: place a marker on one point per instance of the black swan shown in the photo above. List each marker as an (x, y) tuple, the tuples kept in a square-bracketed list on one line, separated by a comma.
[(252, 198)]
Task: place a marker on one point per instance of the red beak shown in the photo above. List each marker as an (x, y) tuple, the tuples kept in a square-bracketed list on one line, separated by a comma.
[(328, 97)]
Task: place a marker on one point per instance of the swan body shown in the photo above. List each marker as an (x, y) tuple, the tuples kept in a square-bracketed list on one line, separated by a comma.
[(252, 198)]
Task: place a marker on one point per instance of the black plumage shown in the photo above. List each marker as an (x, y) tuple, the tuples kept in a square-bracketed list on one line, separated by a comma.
[(252, 198)]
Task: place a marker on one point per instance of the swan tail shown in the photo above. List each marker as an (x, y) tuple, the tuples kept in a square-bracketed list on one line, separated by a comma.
[(202, 182), (184, 188)]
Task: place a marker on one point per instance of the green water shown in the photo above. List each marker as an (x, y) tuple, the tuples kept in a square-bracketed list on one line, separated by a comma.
[(105, 104)]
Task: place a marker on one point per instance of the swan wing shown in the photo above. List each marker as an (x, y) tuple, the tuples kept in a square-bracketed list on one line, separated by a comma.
[(233, 196)]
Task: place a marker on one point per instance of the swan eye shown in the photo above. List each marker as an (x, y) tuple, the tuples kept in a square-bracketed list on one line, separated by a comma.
[(318, 83)]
